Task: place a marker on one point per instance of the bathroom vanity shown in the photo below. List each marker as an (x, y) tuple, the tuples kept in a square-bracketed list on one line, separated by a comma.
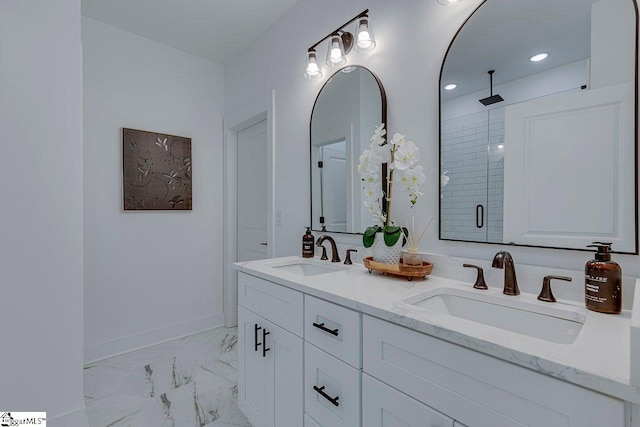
[(324, 344)]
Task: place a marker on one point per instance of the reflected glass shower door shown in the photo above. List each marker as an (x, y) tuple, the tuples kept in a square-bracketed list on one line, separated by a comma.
[(472, 154)]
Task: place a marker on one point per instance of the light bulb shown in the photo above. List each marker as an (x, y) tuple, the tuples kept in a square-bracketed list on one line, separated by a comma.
[(364, 40), (312, 71), (335, 54), (364, 36)]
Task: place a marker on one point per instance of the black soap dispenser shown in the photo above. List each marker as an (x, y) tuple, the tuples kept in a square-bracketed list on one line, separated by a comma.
[(603, 281), (308, 251)]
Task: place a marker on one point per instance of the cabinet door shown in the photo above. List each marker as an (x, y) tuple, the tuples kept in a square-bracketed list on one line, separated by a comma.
[(283, 358), (383, 406), (252, 368)]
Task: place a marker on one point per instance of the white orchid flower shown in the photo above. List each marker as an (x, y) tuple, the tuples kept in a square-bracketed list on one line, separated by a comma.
[(372, 192), (444, 179), (407, 155), (398, 139), (369, 178), (414, 177), (380, 154)]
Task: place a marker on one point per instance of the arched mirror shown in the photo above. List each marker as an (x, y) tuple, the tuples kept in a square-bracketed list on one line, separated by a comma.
[(538, 110), (348, 108)]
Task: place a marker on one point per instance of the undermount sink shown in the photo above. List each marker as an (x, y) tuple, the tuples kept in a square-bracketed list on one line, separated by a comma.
[(553, 324), (305, 269)]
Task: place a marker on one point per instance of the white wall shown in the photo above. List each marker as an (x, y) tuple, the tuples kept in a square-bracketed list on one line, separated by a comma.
[(412, 37), (41, 219), (149, 276)]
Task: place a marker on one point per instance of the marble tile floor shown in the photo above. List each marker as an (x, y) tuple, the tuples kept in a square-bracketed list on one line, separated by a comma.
[(188, 382)]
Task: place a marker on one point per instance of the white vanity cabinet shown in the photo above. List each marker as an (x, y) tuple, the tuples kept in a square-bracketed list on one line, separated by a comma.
[(270, 354), (383, 406), (332, 363), (476, 389)]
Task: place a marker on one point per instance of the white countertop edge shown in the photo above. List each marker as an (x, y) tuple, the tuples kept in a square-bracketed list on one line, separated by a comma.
[(616, 387)]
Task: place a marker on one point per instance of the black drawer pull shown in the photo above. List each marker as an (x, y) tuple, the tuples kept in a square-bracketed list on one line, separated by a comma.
[(320, 391), (255, 337), (327, 330), (264, 342)]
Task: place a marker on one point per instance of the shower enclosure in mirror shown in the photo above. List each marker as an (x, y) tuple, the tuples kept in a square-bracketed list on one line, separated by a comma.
[(538, 125), (348, 108)]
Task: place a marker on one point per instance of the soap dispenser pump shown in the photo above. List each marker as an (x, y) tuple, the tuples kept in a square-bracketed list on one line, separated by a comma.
[(308, 250), (603, 281)]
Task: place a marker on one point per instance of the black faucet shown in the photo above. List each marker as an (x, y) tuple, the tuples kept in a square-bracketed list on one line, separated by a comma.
[(503, 260), (334, 249)]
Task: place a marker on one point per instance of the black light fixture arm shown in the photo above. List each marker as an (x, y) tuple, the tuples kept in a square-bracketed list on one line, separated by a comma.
[(339, 29)]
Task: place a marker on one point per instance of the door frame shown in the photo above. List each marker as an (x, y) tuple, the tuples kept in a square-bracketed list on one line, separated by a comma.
[(240, 119)]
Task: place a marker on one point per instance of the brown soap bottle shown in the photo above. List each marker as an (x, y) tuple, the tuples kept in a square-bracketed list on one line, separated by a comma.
[(603, 281), (308, 240)]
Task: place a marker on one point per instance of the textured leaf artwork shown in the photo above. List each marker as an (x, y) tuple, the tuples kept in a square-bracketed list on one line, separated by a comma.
[(156, 171)]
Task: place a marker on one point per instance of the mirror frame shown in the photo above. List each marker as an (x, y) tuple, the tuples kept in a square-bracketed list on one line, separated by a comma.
[(635, 145), (383, 97)]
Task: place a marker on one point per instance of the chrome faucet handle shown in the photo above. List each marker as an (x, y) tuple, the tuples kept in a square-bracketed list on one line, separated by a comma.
[(324, 256), (480, 283), (347, 260), (545, 293)]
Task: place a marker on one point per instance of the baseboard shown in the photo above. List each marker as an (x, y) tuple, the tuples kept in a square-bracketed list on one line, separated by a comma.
[(130, 343), (76, 418)]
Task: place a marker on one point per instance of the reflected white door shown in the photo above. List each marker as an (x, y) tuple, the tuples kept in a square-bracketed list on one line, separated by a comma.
[(334, 186), (252, 193)]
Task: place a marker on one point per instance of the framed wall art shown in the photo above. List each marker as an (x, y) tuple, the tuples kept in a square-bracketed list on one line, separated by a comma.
[(157, 171)]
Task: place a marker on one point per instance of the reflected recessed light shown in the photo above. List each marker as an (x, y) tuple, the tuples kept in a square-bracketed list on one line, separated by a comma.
[(448, 2), (539, 57), (348, 69), (450, 86), (500, 146)]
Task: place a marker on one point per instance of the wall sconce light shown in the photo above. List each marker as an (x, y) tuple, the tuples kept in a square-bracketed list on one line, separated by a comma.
[(340, 44), (312, 70), (448, 2), (364, 37)]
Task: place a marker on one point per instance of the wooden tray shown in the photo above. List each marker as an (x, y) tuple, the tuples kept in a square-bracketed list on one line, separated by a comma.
[(408, 271)]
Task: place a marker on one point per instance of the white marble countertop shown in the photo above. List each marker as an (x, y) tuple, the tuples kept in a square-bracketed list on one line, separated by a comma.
[(599, 359)]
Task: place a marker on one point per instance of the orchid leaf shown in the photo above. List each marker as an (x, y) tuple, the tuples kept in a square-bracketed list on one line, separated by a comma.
[(391, 234), (369, 236)]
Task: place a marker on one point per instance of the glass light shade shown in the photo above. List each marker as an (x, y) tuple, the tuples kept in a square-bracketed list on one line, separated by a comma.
[(335, 55), (364, 36), (312, 70), (448, 2)]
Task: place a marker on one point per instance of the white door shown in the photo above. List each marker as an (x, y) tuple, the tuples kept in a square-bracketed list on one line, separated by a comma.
[(252, 193), (284, 377), (334, 186), (252, 366)]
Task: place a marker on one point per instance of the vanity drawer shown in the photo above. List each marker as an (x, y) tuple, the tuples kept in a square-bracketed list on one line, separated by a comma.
[(332, 389), (383, 406), (334, 329), (476, 389), (309, 422), (276, 303)]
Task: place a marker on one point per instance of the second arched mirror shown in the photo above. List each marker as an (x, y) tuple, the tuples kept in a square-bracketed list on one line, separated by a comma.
[(538, 125), (347, 110)]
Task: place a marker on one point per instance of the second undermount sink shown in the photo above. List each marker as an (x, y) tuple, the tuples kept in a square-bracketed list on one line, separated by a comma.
[(305, 269), (553, 324)]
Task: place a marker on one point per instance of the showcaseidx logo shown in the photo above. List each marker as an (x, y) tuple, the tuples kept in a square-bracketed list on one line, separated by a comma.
[(9, 419)]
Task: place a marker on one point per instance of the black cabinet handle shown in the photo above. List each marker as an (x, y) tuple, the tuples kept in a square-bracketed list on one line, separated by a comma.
[(327, 330), (255, 337), (479, 216), (321, 392), (264, 342)]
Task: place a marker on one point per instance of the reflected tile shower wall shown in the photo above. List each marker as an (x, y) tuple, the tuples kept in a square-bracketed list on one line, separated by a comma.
[(471, 153)]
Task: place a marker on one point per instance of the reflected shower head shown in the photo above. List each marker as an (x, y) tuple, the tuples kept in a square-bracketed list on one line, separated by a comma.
[(493, 98)]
